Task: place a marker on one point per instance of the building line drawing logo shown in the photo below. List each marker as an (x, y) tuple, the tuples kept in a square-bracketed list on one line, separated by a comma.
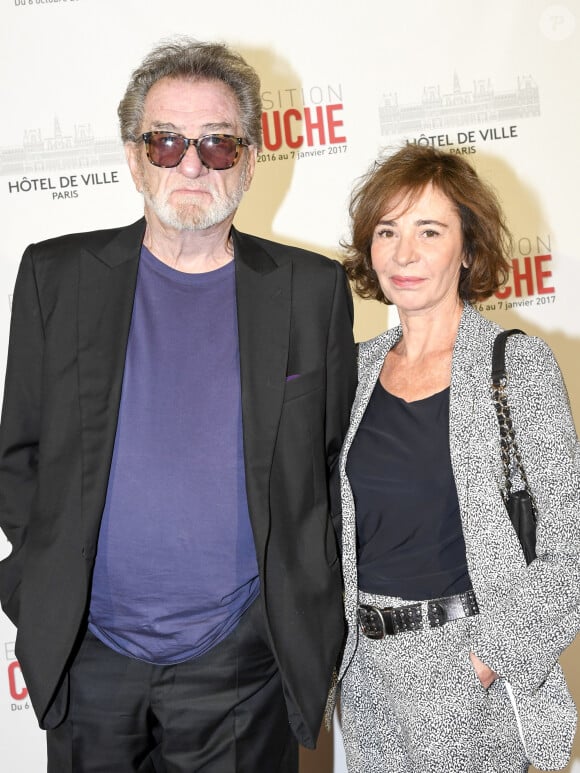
[(438, 108), (78, 148)]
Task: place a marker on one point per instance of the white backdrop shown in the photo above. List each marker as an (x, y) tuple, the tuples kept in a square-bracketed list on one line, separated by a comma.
[(342, 82)]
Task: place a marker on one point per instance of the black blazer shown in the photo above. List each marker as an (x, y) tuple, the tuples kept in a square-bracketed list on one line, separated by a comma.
[(71, 313)]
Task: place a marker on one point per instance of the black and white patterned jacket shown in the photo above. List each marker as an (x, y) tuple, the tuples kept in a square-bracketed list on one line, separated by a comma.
[(529, 614)]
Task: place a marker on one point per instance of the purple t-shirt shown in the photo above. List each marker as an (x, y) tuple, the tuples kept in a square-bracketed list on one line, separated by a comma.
[(176, 563)]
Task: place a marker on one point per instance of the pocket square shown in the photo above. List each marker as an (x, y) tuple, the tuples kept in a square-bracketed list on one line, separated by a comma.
[(292, 376)]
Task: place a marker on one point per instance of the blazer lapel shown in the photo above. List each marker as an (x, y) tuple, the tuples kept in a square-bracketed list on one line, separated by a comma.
[(106, 291), (462, 403), (264, 314), (371, 357), (371, 360)]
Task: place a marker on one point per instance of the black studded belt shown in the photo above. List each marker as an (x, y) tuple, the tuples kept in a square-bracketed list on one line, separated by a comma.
[(377, 623)]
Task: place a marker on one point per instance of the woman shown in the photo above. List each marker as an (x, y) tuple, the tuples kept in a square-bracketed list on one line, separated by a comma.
[(463, 674)]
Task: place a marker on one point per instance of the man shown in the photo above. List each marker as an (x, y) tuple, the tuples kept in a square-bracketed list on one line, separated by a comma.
[(176, 394)]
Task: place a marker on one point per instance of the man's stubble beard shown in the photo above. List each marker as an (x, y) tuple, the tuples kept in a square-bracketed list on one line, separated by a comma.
[(192, 217)]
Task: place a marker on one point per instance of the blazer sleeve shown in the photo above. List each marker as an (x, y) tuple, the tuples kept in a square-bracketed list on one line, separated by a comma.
[(20, 429), (340, 382), (522, 638)]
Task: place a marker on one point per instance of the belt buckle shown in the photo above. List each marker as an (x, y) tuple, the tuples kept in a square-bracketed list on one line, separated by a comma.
[(371, 621)]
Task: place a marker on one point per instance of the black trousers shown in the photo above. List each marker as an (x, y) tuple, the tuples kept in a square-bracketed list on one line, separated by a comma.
[(223, 712)]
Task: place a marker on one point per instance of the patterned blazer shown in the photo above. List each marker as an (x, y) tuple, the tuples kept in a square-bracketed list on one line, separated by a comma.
[(528, 614)]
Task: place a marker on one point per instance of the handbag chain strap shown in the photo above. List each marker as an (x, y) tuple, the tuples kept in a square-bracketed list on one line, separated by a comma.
[(510, 453)]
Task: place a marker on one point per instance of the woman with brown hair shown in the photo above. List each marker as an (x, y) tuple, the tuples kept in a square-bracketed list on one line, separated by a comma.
[(451, 658)]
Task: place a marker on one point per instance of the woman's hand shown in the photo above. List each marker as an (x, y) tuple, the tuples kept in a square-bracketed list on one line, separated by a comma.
[(484, 673)]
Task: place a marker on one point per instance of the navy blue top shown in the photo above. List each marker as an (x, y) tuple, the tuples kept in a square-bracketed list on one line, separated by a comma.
[(176, 564), (409, 535)]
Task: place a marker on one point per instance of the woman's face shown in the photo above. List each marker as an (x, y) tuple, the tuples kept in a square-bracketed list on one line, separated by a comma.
[(417, 253)]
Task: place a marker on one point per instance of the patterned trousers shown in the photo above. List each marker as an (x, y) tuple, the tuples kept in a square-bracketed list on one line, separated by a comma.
[(412, 703)]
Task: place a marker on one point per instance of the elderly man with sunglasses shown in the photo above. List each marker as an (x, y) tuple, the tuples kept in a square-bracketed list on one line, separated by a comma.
[(176, 395)]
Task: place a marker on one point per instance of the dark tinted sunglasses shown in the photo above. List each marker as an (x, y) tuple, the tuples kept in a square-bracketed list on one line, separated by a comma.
[(215, 151)]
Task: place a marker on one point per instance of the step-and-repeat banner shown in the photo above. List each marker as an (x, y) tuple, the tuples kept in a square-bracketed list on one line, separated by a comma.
[(342, 83)]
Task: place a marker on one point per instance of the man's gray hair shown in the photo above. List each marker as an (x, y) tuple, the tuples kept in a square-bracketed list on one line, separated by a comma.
[(193, 60)]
